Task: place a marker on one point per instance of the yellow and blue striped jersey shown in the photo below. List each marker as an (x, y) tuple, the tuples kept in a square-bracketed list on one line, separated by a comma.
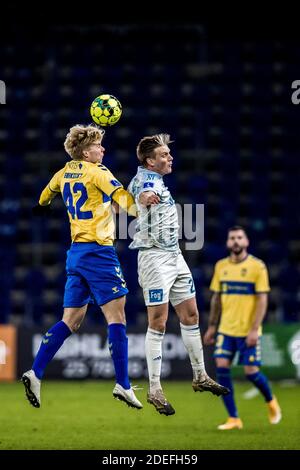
[(86, 189), (238, 284)]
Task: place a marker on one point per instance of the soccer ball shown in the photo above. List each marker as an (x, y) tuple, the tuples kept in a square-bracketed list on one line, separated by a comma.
[(106, 110)]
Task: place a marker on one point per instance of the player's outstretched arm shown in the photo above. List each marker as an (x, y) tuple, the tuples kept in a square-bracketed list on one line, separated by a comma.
[(125, 200), (43, 207), (48, 193)]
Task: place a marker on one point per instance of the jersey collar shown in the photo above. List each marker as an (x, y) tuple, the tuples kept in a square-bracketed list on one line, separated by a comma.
[(238, 262), (142, 169)]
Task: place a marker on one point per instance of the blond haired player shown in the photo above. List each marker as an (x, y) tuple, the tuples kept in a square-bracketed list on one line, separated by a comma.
[(93, 268)]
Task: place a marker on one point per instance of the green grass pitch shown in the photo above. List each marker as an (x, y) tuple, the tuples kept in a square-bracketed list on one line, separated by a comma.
[(84, 415)]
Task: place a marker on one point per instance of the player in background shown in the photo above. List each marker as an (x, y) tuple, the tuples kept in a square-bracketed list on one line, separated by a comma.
[(240, 288), (92, 265), (163, 272)]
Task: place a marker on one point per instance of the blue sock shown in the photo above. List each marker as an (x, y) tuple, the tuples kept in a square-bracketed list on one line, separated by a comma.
[(261, 382), (50, 344), (118, 346), (224, 378)]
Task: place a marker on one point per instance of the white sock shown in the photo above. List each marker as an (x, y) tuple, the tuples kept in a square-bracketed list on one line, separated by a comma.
[(153, 349), (192, 340)]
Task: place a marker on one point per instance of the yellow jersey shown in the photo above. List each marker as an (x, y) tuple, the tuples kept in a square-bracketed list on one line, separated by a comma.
[(86, 189), (238, 284)]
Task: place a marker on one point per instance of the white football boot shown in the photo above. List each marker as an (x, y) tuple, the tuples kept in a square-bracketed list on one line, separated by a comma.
[(127, 396), (32, 388)]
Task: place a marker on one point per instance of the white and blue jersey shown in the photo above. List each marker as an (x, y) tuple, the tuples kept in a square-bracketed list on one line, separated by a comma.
[(163, 273), (157, 225)]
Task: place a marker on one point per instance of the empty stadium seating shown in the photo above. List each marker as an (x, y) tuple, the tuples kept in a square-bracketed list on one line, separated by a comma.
[(227, 105)]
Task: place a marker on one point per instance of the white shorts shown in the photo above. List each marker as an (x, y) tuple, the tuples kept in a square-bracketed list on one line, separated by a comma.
[(163, 276)]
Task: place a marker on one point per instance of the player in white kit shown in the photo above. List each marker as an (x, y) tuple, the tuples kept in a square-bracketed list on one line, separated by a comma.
[(163, 273)]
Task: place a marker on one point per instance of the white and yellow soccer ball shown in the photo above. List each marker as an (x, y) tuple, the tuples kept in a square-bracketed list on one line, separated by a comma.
[(106, 110)]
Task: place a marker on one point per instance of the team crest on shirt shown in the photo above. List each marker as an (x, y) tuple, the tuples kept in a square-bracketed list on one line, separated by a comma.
[(74, 165), (149, 184), (115, 183), (243, 272), (224, 287)]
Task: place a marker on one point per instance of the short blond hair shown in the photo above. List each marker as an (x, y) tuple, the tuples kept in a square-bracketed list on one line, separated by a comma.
[(81, 137), (149, 143)]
